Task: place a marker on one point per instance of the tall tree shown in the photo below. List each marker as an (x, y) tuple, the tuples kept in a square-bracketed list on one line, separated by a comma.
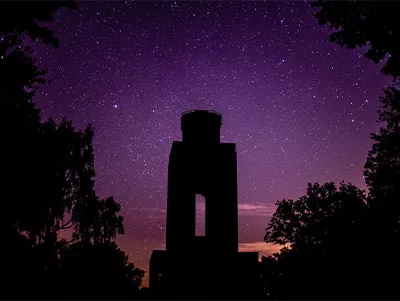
[(48, 183), (371, 24), (382, 170), (319, 219), (375, 25), (322, 233)]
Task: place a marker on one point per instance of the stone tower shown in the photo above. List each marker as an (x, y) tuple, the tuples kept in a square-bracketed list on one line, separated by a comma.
[(210, 266)]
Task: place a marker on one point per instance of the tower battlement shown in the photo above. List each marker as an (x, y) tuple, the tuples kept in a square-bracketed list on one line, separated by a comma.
[(201, 126)]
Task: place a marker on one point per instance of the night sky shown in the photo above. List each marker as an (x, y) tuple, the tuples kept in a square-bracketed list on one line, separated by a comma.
[(299, 108)]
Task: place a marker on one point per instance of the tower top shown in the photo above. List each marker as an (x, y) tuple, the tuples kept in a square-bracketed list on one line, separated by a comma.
[(201, 126)]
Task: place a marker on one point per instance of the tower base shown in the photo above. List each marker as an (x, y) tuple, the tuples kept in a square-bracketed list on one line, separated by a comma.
[(196, 275)]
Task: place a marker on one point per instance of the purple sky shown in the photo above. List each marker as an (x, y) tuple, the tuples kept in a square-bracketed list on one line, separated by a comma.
[(299, 108)]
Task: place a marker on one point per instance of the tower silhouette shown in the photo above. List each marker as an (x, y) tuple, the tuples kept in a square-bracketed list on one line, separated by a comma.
[(210, 266)]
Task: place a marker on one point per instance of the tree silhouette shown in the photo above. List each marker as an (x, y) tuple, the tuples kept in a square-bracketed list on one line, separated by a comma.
[(48, 183), (25, 18), (319, 219), (270, 274), (375, 25), (382, 171), (322, 232), (371, 24), (20, 78), (98, 271)]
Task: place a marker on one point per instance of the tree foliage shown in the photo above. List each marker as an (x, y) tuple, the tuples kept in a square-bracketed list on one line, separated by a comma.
[(26, 18), (319, 218), (343, 243), (324, 235), (98, 271), (382, 170), (48, 183), (53, 162), (371, 24)]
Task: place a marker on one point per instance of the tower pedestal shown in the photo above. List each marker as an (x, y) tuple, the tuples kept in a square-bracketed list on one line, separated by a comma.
[(194, 276)]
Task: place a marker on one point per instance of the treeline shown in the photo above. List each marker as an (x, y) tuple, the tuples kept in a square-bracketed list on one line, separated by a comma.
[(339, 241), (48, 181)]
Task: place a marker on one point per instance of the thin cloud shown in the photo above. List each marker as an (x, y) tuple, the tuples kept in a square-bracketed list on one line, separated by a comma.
[(256, 209), (263, 248)]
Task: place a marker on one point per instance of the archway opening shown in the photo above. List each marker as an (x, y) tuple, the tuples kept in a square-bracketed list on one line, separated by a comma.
[(200, 215)]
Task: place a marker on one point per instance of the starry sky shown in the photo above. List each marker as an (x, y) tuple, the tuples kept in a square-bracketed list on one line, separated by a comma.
[(299, 108)]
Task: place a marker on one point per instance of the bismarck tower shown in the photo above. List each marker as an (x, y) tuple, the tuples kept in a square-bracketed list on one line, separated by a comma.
[(210, 266)]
